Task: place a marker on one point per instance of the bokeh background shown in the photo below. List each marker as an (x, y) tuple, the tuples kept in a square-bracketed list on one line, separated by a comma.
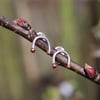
[(73, 24)]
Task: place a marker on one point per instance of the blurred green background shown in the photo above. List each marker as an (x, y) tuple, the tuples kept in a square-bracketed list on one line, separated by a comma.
[(73, 24)]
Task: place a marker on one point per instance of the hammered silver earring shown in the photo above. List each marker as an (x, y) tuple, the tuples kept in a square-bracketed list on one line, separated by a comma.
[(41, 35), (63, 52)]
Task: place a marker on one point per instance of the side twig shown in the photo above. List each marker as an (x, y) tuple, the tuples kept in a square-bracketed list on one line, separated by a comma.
[(85, 71)]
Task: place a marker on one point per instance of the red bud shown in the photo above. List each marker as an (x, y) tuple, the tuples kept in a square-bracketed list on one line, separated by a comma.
[(23, 23), (90, 71)]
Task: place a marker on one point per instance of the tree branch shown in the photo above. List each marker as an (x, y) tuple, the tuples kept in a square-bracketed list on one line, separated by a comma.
[(85, 71)]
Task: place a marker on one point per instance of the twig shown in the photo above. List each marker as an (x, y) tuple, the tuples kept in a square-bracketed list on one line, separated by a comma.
[(85, 71)]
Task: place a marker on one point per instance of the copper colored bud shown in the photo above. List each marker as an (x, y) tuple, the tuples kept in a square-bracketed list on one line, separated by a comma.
[(54, 65), (68, 65), (48, 52), (32, 50)]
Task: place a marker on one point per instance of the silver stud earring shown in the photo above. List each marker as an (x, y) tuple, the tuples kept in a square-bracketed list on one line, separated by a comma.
[(42, 36), (63, 52)]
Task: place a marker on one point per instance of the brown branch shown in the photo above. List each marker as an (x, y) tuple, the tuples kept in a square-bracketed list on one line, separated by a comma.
[(87, 71)]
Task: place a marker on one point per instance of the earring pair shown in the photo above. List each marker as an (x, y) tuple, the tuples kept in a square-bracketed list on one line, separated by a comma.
[(59, 49)]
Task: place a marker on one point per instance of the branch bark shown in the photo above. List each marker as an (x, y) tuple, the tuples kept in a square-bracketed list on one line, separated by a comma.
[(4, 22)]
